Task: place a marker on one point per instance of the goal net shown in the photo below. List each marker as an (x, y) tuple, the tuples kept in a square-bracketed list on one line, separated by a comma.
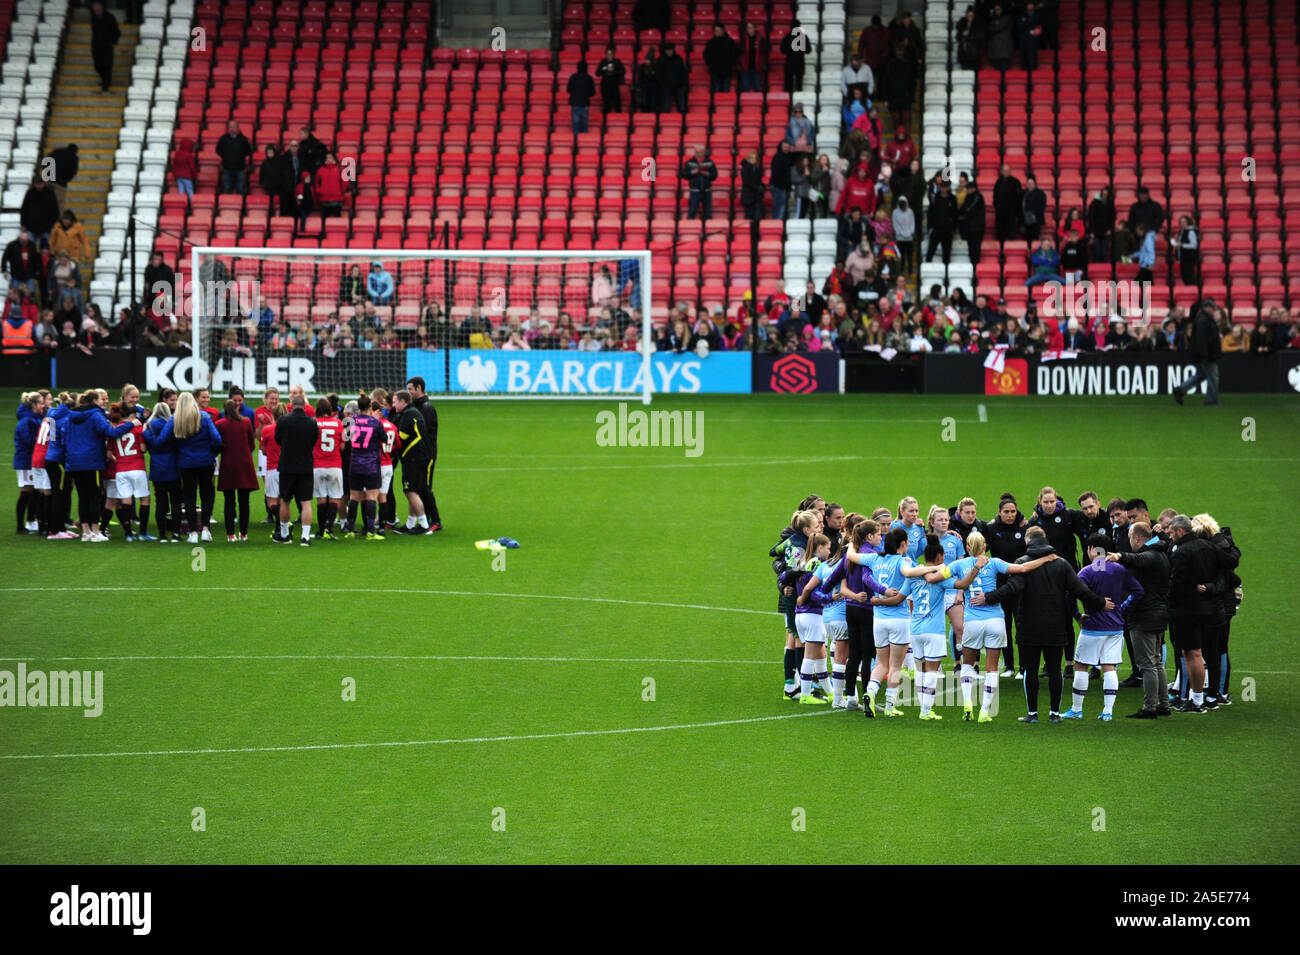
[(471, 324)]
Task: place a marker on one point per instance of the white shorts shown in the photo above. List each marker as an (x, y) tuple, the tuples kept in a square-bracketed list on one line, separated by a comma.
[(327, 482), (40, 479), (950, 598), (835, 630), (273, 483), (1099, 649), (984, 634), (385, 478), (261, 463), (132, 484), (25, 478), (929, 646), (891, 631), (810, 627)]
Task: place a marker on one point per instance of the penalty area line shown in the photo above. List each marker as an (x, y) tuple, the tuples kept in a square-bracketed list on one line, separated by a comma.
[(524, 737)]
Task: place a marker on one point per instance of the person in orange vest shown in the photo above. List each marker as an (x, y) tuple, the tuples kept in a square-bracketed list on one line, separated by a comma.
[(20, 315)]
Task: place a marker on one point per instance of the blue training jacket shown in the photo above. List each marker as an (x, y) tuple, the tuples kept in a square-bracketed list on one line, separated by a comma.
[(25, 437), (200, 449), (162, 453), (87, 430), (54, 454)]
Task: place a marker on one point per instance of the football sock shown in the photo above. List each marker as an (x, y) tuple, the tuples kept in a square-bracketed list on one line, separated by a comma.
[(873, 687), (306, 532), (368, 512), (837, 681), (967, 679), (126, 516), (788, 665), (410, 523), (806, 677), (798, 659), (1109, 690), (105, 518), (352, 514), (908, 662), (822, 676), (424, 520), (1198, 697), (21, 509), (929, 681), (891, 697), (990, 689), (144, 518), (1080, 689)]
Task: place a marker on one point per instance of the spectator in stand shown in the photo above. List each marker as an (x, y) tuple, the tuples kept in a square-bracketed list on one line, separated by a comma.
[(1280, 334), (1236, 341), (40, 212), (185, 166), (104, 34), (602, 287), (721, 54), (23, 264), (1145, 212), (1044, 265), (1008, 204), (1073, 260), (898, 86), (859, 193), (851, 231), (611, 72), (645, 93), (304, 199), (751, 187), (652, 15), (941, 220), (329, 187), (581, 88), (1001, 39), (265, 319), (859, 263), (970, 41), (1033, 210), (271, 175), (379, 285), (819, 187), (699, 172), (69, 238), (779, 178), (1207, 349), (799, 130), (971, 220), (855, 107), (1101, 223), (20, 319), (1171, 337), (64, 166), (794, 46), (236, 155), (899, 151), (857, 75), (906, 35), (1030, 29), (873, 44), (1071, 227), (672, 76), (1187, 246), (1146, 254), (1118, 337), (310, 151), (754, 49)]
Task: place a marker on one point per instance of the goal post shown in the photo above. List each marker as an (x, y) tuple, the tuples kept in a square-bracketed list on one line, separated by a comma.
[(502, 323)]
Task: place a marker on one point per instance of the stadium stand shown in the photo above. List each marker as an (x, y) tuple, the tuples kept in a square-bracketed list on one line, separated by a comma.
[(29, 43)]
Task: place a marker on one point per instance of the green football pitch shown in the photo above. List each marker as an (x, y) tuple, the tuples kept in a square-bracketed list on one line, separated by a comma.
[(611, 691)]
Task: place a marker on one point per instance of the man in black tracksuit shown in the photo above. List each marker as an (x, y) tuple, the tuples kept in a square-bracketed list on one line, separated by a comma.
[(1194, 568), (1224, 592), (296, 435), (1044, 619), (1147, 619), (418, 452), (699, 172)]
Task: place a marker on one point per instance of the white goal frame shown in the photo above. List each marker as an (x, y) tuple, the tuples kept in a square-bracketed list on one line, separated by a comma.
[(437, 255)]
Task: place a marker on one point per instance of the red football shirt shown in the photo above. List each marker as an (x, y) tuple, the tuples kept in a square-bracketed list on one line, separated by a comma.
[(42, 444), (328, 452), (390, 442), (270, 448), (129, 449)]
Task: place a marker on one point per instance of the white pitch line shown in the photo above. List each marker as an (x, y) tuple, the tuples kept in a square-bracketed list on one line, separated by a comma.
[(437, 593), (984, 414), (415, 742)]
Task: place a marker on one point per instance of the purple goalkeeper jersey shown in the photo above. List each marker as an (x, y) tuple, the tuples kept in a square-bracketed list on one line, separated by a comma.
[(1113, 581), (366, 439)]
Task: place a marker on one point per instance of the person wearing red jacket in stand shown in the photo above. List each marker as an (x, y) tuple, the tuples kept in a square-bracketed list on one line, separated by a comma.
[(873, 44), (1072, 227), (329, 187), (869, 125), (237, 480), (859, 192), (899, 151), (185, 167)]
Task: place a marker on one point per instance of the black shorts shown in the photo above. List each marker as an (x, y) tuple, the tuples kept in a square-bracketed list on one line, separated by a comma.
[(295, 487), (361, 481), (1191, 633), (416, 476)]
